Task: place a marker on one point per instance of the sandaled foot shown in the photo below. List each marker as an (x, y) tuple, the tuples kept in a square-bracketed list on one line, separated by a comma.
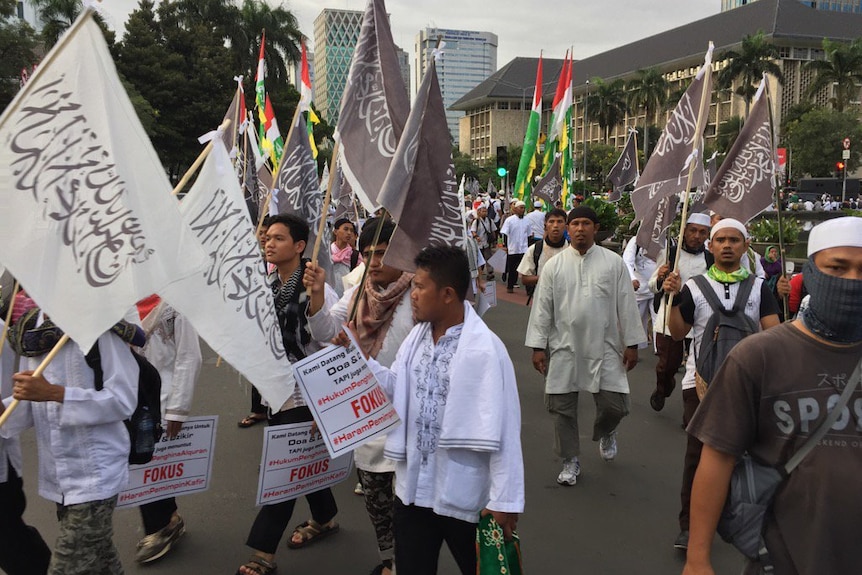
[(251, 419), (311, 531), (257, 565)]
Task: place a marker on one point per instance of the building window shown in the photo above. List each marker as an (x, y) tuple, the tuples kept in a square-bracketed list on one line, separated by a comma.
[(21, 10)]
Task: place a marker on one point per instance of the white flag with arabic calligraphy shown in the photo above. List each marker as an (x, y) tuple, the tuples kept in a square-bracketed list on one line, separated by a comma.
[(229, 303), (87, 224)]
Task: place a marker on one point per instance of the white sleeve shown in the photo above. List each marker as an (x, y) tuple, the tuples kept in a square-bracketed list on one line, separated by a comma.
[(629, 255), (506, 493), (187, 367), (542, 312), (653, 280), (527, 267), (117, 399), (327, 322)]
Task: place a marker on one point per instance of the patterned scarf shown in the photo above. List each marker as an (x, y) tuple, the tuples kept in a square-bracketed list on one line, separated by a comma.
[(375, 312), (30, 340), (725, 277), (341, 256), (290, 304)]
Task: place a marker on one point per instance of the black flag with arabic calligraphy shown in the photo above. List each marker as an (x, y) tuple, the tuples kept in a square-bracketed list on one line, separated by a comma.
[(745, 183), (550, 188), (653, 229), (625, 171), (420, 190), (666, 173)]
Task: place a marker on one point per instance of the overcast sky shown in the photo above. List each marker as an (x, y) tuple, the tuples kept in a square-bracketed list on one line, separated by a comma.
[(523, 26)]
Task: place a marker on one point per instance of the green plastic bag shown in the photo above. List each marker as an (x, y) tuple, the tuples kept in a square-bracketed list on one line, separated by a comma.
[(495, 555)]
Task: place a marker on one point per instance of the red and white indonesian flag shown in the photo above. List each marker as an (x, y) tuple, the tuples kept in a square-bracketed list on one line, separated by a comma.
[(87, 223), (229, 303)]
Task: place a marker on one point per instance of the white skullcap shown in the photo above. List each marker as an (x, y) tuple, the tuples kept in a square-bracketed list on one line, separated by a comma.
[(836, 233), (729, 223), (538, 204), (698, 219), (520, 204)]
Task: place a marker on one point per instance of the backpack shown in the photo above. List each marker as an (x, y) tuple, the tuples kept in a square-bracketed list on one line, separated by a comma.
[(145, 424), (354, 259), (727, 328)]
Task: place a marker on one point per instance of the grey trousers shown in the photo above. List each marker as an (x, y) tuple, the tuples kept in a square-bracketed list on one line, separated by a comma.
[(611, 408)]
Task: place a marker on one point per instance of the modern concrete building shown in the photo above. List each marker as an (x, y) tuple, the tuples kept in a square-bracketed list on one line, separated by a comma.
[(468, 58), (854, 6), (404, 64), (335, 35), (496, 111), (25, 10)]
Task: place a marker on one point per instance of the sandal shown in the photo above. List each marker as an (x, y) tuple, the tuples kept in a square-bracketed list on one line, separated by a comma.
[(251, 419), (311, 531), (259, 566)]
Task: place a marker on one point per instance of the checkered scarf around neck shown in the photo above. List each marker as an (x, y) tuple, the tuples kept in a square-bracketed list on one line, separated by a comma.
[(290, 303), (376, 310), (29, 340)]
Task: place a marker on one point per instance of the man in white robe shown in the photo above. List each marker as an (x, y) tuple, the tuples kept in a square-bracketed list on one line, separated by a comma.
[(458, 450), (585, 314)]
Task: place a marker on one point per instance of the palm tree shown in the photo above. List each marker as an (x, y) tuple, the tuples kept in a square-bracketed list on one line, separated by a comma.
[(728, 131), (609, 99), (57, 16), (648, 92), (283, 39), (747, 66), (842, 67)]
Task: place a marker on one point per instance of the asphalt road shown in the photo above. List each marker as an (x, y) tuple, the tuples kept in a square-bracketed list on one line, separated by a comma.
[(620, 519)]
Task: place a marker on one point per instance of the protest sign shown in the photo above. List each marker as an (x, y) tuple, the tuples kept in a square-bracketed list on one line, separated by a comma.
[(180, 466), (347, 401), (295, 463), (498, 261), (486, 299)]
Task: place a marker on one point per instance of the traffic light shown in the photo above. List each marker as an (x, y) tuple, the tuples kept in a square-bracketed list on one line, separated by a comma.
[(840, 168), (502, 161)]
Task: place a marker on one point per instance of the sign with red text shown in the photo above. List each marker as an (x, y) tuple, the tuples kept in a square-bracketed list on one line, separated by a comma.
[(295, 463), (347, 401), (180, 466)]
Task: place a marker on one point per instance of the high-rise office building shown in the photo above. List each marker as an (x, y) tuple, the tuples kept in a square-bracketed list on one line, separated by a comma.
[(404, 64), (852, 6), (468, 58), (335, 35)]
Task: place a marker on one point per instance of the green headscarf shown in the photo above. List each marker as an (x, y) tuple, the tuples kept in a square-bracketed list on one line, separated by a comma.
[(767, 257)]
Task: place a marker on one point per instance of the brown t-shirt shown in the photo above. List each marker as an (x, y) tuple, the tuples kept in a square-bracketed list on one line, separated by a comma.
[(771, 393)]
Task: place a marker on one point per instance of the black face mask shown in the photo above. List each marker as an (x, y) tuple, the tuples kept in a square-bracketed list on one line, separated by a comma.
[(834, 306)]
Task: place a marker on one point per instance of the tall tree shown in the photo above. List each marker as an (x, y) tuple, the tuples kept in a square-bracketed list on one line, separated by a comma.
[(728, 131), (816, 141), (648, 92), (842, 68), (17, 50), (746, 67), (283, 39), (609, 102)]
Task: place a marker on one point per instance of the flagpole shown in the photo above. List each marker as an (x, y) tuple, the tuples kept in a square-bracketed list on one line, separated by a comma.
[(698, 139), (9, 315), (784, 302), (361, 288), (48, 359), (324, 211), (199, 161)]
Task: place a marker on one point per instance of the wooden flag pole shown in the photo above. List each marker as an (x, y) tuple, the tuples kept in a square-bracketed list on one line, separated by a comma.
[(324, 210), (784, 302), (8, 316), (361, 288), (48, 359), (698, 138), (199, 161)]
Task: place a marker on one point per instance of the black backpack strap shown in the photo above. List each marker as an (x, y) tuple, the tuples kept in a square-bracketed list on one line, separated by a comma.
[(537, 253), (708, 293), (709, 257), (354, 259), (745, 287)]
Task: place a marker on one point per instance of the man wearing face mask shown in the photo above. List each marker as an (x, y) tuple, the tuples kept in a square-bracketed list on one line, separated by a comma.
[(772, 392)]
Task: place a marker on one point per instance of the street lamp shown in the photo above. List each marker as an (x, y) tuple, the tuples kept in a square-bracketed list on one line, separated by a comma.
[(586, 108)]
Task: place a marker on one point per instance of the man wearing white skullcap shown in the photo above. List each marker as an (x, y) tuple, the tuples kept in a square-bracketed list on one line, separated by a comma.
[(771, 395), (694, 259), (693, 307)]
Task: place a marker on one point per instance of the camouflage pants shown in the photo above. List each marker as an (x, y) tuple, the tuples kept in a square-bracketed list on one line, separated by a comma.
[(380, 504), (85, 545)]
